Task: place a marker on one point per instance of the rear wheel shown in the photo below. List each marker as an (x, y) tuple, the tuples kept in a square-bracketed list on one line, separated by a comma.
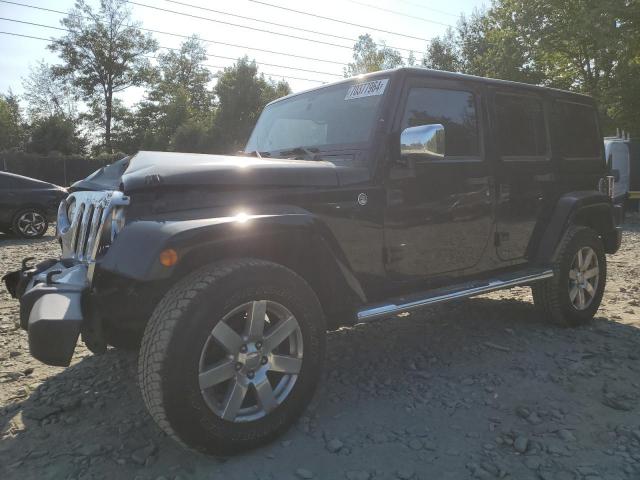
[(30, 223), (573, 295), (232, 355)]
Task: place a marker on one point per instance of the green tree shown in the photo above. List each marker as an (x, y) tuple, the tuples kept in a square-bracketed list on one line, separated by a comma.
[(588, 46), (93, 117), (182, 73), (368, 57), (12, 128), (485, 44), (48, 95), (193, 136), (104, 53), (443, 53), (55, 133), (242, 93), (180, 96)]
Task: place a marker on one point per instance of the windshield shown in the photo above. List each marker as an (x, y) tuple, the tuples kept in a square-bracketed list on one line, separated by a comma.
[(343, 114)]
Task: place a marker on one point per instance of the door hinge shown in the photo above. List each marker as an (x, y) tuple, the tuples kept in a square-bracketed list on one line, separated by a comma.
[(500, 238)]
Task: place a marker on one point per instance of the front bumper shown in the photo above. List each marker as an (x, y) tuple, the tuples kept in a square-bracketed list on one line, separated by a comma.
[(51, 295)]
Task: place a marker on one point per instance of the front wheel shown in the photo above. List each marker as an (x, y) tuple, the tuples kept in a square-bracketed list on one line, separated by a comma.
[(573, 295), (232, 355)]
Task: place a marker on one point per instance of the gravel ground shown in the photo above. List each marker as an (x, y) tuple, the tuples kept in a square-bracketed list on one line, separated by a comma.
[(482, 388)]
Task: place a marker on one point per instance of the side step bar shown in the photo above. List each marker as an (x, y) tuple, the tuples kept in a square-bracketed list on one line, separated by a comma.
[(405, 304)]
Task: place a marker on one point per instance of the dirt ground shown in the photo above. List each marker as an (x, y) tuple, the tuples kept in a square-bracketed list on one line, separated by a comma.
[(482, 388)]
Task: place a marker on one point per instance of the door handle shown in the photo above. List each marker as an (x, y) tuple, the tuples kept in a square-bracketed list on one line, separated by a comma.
[(504, 191)]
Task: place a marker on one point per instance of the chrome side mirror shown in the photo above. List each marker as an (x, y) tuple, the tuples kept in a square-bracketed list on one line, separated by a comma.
[(425, 142)]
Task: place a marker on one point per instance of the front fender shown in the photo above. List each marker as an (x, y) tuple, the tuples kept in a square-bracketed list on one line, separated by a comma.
[(293, 236)]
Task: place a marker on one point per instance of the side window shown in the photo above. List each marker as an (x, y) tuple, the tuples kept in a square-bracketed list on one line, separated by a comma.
[(454, 109), (16, 183), (520, 126), (575, 127), (9, 182)]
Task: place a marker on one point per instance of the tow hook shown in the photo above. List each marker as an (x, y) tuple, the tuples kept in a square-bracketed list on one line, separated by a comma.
[(49, 279), (25, 263)]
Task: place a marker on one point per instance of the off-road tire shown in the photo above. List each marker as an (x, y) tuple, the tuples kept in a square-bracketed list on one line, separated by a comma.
[(551, 296), (180, 325)]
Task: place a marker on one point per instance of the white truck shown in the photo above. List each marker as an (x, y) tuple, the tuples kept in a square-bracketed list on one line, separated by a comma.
[(618, 154)]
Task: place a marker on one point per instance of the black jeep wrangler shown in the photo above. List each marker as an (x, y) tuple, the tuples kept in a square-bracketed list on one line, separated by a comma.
[(355, 201)]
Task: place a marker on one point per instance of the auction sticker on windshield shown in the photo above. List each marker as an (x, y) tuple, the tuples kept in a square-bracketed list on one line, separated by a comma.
[(368, 89)]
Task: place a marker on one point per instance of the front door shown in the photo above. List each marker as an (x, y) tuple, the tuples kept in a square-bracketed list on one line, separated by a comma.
[(439, 218)]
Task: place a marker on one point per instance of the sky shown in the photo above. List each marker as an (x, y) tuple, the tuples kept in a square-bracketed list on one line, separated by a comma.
[(409, 24)]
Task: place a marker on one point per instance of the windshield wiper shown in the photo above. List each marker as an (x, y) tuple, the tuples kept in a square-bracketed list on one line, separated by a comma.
[(301, 153), (255, 153)]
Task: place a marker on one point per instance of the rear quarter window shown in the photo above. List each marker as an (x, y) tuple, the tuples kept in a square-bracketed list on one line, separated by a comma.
[(521, 129), (576, 131), (12, 182)]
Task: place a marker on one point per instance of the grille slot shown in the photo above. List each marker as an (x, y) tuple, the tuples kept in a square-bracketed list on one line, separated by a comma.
[(85, 225), (81, 235), (75, 233)]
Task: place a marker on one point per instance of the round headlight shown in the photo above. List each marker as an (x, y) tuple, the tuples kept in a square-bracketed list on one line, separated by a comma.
[(71, 210), (117, 221)]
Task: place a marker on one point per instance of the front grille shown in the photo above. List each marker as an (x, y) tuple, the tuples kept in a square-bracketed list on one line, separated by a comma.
[(84, 235)]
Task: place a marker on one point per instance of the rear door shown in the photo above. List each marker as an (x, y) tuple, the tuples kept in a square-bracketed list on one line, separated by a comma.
[(439, 212), (523, 168), (9, 199)]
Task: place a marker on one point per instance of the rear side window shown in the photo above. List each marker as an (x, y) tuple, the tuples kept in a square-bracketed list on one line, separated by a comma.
[(454, 109), (10, 182), (576, 128), (520, 126)]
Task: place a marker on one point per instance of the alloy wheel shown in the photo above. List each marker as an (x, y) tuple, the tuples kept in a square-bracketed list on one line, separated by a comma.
[(31, 224), (584, 276), (251, 361)]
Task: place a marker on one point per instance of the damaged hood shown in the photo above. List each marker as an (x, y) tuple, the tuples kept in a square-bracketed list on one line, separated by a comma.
[(147, 170)]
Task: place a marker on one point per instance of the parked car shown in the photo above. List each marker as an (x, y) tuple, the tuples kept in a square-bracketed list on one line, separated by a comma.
[(618, 154), (27, 205), (352, 202)]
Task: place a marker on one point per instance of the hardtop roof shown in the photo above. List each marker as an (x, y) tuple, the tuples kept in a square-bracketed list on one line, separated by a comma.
[(440, 74)]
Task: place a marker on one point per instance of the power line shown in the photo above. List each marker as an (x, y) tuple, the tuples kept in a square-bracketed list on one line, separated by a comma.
[(253, 19), (187, 36), (255, 29), (430, 8), (34, 24), (283, 25), (25, 36), (402, 14), (177, 49), (231, 24), (342, 21), (13, 34), (219, 67), (267, 64)]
